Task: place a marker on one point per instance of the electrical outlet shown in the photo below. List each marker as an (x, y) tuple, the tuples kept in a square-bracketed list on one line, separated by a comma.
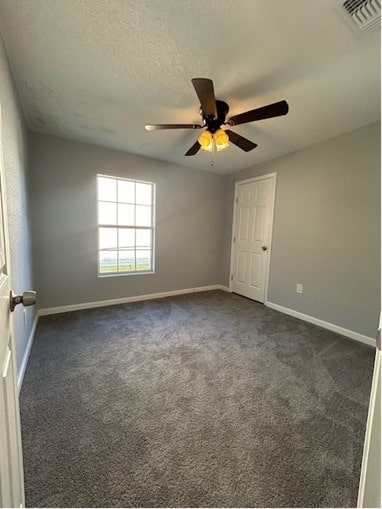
[(299, 288)]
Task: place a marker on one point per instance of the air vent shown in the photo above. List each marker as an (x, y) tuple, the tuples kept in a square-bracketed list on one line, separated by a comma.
[(363, 16)]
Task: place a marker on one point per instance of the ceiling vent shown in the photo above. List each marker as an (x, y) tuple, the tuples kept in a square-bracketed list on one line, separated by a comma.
[(363, 16)]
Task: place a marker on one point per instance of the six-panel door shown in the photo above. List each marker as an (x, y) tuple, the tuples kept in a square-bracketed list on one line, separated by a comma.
[(252, 230)]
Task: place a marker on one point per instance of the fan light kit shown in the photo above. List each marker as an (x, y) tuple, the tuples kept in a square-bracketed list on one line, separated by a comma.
[(216, 141), (213, 113)]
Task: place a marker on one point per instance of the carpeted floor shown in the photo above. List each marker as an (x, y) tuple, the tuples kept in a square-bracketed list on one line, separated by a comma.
[(202, 400)]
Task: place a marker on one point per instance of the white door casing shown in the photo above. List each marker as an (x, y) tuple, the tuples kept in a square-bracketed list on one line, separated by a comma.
[(11, 466), (369, 493), (252, 236)]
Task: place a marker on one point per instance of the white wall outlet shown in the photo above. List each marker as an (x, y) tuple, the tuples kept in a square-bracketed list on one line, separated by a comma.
[(299, 288)]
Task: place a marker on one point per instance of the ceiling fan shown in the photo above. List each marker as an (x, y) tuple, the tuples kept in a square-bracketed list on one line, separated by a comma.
[(214, 112)]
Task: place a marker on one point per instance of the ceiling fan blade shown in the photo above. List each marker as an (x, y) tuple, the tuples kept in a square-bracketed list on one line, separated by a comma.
[(194, 149), (204, 88), (269, 111), (240, 141), (156, 127)]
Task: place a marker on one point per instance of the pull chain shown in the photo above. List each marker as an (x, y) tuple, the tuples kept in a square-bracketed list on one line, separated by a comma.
[(213, 152)]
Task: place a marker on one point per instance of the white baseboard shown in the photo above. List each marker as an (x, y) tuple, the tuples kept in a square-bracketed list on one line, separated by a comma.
[(124, 300), (321, 323), (20, 375)]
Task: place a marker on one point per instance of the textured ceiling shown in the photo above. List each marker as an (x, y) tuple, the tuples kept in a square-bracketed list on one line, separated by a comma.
[(99, 70)]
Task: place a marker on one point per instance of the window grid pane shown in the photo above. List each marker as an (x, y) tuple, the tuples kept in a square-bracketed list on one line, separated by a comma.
[(126, 260), (126, 229), (126, 238), (126, 214), (107, 212), (108, 238), (107, 189), (126, 192), (108, 262)]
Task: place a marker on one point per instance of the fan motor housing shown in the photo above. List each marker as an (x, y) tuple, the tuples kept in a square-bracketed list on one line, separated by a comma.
[(213, 125)]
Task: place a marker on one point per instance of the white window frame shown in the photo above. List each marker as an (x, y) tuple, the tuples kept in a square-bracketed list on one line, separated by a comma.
[(117, 226)]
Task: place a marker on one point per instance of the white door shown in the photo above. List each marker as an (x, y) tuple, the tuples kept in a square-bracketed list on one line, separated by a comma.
[(251, 243), (11, 469)]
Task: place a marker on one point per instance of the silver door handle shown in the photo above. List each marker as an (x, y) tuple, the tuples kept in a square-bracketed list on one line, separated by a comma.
[(26, 299), (264, 248)]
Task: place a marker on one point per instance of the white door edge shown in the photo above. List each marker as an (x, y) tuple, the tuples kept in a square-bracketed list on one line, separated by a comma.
[(5, 225), (371, 455), (273, 176)]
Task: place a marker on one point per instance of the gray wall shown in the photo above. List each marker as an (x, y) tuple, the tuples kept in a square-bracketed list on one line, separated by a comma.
[(16, 180), (188, 223), (326, 229)]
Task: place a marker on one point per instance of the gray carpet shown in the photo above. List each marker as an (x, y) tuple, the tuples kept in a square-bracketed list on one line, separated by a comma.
[(202, 400)]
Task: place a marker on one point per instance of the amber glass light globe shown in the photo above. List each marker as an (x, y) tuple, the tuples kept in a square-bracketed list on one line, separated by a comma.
[(221, 138), (205, 139)]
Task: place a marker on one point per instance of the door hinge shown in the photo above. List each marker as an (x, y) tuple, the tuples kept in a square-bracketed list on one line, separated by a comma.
[(231, 277), (234, 239), (236, 200)]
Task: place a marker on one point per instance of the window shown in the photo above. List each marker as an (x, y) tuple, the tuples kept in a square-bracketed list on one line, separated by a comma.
[(125, 226)]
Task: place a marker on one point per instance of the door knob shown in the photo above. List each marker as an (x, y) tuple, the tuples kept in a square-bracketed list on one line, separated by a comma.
[(264, 248), (26, 299)]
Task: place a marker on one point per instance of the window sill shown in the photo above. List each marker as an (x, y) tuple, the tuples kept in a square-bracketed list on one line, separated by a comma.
[(101, 276)]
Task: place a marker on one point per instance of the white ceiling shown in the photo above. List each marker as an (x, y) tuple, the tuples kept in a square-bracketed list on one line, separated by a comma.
[(99, 70)]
